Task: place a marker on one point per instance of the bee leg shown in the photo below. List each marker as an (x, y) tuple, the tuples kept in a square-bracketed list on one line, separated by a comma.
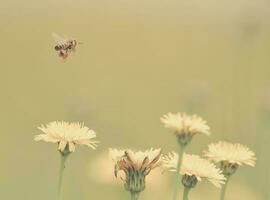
[(64, 54), (61, 53)]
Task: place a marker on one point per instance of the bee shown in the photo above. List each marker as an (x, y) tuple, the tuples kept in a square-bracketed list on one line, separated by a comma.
[(64, 45)]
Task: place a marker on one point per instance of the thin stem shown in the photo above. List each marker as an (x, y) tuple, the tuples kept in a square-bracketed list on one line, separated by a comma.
[(185, 194), (178, 176), (134, 195), (61, 174), (223, 189)]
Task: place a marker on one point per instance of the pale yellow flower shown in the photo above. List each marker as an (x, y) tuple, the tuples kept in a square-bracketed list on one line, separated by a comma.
[(144, 160), (232, 153), (101, 167), (136, 165), (184, 124), (194, 165), (67, 135)]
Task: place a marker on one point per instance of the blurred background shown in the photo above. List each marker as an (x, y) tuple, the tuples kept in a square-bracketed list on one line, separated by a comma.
[(139, 60)]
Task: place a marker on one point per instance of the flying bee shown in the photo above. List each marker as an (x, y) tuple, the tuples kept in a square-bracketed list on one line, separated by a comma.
[(64, 45)]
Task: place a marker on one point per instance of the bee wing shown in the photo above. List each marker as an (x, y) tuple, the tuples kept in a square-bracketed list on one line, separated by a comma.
[(66, 37), (57, 38)]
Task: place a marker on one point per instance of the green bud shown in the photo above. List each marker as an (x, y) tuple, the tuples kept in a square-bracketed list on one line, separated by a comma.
[(184, 139), (189, 181), (135, 181), (228, 168)]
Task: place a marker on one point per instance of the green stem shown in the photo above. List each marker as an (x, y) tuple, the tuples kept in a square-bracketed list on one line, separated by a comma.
[(134, 195), (185, 194), (61, 174), (223, 189), (178, 176)]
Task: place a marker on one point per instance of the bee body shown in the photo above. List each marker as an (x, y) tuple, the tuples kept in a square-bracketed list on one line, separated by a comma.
[(64, 46), (69, 44), (59, 47)]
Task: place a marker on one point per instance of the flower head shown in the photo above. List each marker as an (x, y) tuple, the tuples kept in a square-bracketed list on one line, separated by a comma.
[(182, 123), (67, 135), (101, 167), (230, 156), (185, 126), (136, 165), (194, 168)]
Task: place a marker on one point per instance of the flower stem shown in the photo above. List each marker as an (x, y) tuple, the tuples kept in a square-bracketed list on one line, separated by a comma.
[(223, 189), (61, 174), (134, 195), (185, 194), (178, 176)]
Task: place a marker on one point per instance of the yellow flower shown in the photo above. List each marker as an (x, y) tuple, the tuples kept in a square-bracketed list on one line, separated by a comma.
[(185, 126), (101, 167), (67, 135), (182, 123), (136, 165), (195, 167), (231, 153)]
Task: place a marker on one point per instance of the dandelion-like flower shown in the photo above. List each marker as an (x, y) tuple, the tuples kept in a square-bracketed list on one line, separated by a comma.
[(136, 165), (185, 126), (67, 135), (230, 156), (194, 169)]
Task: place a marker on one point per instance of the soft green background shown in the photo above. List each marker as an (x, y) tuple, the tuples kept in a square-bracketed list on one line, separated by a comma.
[(140, 59)]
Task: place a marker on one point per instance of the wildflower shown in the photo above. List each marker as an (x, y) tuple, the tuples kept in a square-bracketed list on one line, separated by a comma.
[(100, 169), (194, 169), (136, 165), (67, 135), (229, 156), (184, 127)]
